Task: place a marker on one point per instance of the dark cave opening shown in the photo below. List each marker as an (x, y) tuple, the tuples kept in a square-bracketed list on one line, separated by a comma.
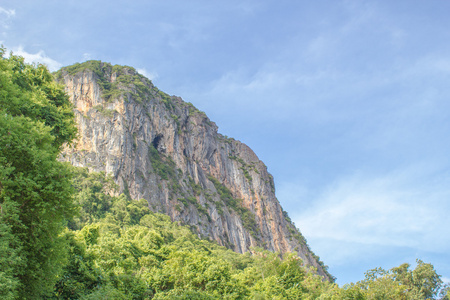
[(157, 140)]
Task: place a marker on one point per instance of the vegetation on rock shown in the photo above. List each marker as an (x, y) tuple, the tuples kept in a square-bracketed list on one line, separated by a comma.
[(114, 80)]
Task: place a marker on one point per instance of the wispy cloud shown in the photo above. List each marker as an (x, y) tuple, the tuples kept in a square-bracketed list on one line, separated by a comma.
[(404, 208), (39, 57), (8, 13)]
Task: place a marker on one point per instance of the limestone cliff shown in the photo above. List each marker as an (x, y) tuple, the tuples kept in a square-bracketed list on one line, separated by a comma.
[(164, 150)]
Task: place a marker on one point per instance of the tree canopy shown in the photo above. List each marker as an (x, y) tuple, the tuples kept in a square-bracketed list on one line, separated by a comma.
[(35, 190), (125, 251)]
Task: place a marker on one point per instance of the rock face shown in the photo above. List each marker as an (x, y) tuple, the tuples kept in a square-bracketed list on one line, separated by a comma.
[(164, 150)]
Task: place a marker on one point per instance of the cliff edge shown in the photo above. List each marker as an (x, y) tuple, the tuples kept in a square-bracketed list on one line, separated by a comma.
[(164, 150)]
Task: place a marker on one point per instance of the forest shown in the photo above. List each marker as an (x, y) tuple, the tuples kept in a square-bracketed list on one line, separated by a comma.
[(66, 233)]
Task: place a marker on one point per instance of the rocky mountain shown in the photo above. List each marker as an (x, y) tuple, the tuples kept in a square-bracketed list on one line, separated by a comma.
[(164, 150)]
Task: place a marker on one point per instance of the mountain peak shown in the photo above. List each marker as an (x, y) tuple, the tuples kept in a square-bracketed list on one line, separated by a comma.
[(166, 151)]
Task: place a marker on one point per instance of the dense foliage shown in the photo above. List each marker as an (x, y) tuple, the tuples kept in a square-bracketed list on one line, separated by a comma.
[(119, 249), (65, 233), (127, 251), (35, 192)]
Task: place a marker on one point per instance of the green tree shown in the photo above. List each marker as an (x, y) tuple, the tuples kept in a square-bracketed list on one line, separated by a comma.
[(279, 278), (422, 283), (380, 284), (80, 274), (93, 196), (35, 191)]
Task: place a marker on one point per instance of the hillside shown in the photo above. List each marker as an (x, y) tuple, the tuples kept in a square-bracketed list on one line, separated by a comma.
[(159, 148)]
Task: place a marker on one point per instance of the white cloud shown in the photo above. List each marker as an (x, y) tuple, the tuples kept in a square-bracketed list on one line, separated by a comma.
[(149, 75), (395, 210), (39, 57)]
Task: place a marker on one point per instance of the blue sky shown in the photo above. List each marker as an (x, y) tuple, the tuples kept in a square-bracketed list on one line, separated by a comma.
[(347, 102)]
